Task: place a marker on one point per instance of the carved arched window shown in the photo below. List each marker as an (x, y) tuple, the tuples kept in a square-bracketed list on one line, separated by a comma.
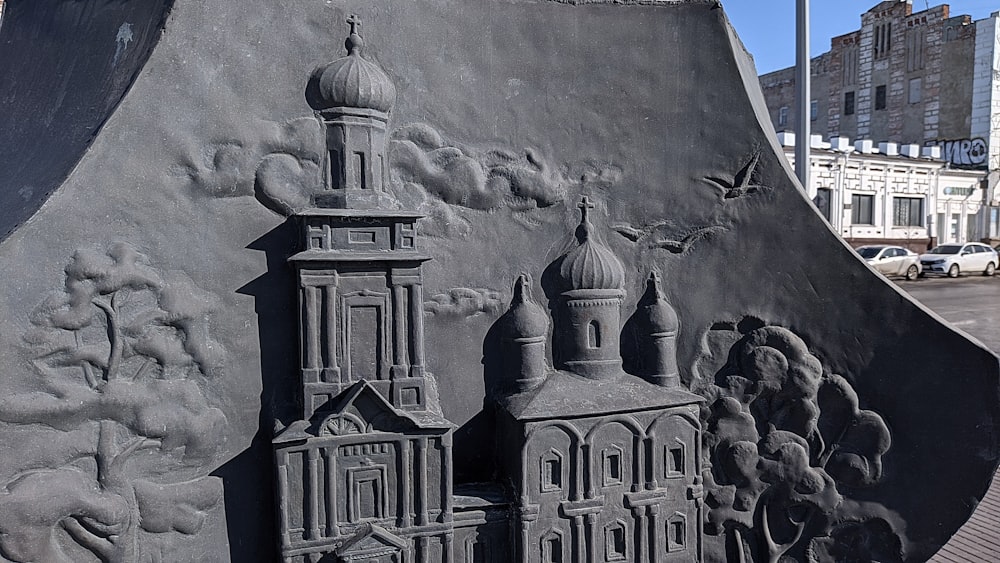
[(612, 464), (614, 542), (593, 335), (676, 532), (551, 471), (552, 547)]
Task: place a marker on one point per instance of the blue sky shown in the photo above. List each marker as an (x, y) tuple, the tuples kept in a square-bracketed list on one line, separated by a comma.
[(767, 27)]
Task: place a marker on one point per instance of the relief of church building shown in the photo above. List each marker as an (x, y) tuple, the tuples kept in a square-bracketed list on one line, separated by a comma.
[(368, 456), (605, 466), (593, 463)]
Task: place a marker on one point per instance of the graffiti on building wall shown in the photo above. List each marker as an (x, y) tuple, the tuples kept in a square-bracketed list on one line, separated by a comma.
[(964, 152)]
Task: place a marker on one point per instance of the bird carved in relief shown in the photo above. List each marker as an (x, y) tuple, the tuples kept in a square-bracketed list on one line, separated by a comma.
[(668, 237), (741, 184)]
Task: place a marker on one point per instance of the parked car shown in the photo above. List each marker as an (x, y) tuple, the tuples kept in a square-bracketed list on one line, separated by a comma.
[(955, 259), (891, 260)]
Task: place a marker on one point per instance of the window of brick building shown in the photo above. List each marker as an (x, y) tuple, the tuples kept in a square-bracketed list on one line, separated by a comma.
[(848, 103), (849, 60), (880, 97), (915, 86), (814, 110), (783, 116), (882, 40), (915, 49)]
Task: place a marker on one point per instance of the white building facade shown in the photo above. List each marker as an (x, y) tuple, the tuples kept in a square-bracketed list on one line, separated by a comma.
[(897, 195)]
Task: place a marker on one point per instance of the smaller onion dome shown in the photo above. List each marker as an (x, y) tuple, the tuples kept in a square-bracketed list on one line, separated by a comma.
[(590, 265), (353, 81), (656, 312), (525, 318)]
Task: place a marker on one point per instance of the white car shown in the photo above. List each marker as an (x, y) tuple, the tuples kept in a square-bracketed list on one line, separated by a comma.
[(955, 259), (891, 260)]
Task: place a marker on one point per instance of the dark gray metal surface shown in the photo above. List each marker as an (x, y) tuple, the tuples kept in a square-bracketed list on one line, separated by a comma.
[(64, 67), (157, 338)]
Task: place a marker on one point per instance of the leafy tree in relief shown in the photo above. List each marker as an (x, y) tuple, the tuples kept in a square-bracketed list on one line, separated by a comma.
[(121, 355), (788, 445)]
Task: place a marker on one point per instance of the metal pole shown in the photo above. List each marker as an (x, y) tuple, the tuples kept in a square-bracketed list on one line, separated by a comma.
[(802, 98)]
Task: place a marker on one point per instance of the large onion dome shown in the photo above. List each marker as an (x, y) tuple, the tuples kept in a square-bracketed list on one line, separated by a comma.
[(590, 265), (524, 318), (353, 81)]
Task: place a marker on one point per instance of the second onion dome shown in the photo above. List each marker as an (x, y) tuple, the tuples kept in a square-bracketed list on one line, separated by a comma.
[(657, 345), (524, 331)]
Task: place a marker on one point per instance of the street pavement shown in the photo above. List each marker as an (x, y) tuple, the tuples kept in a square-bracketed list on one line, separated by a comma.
[(972, 304)]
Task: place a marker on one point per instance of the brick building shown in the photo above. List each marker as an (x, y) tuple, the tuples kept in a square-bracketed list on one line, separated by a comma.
[(905, 77)]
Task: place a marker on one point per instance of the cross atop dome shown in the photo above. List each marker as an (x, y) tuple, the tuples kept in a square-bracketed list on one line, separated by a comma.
[(354, 42), (353, 82), (584, 230), (354, 96)]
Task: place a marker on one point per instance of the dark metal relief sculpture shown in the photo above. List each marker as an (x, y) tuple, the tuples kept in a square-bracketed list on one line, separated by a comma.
[(120, 352), (789, 446), (371, 452), (594, 463), (515, 290)]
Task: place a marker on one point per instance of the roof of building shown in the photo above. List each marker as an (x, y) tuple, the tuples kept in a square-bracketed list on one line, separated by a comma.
[(372, 540), (566, 395), (361, 409)]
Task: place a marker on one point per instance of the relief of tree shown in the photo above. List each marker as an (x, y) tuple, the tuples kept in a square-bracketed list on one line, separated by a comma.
[(788, 445), (121, 354)]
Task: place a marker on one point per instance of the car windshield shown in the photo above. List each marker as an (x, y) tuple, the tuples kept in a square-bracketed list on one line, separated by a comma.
[(946, 249), (869, 251)]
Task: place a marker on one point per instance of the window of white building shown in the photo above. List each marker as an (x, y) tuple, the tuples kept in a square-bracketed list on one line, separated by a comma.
[(862, 209), (908, 211), (822, 201)]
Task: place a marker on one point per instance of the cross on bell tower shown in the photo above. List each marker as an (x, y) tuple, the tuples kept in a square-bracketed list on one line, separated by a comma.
[(360, 283)]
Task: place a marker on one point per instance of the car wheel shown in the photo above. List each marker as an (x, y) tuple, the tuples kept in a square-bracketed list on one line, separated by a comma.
[(953, 271), (990, 269), (912, 272)]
